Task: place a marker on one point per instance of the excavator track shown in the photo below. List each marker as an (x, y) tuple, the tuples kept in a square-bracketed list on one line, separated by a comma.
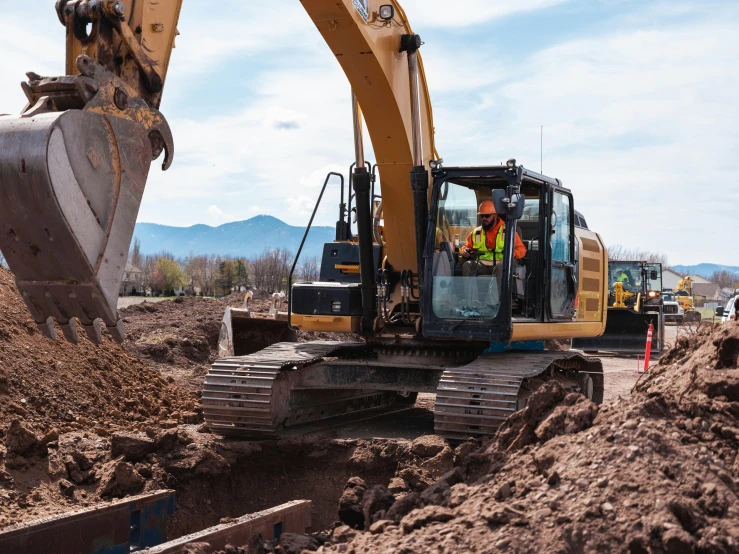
[(249, 396), (473, 400)]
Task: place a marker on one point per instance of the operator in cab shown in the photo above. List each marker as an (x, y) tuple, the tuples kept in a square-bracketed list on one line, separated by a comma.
[(487, 243), (624, 279)]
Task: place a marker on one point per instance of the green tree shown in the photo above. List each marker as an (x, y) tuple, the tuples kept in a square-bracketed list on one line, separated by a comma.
[(168, 275), (241, 273), (226, 276)]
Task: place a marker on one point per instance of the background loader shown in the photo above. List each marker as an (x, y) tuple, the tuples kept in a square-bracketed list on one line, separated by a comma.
[(634, 301)]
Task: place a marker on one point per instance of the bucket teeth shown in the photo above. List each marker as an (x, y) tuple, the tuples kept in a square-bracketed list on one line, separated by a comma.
[(94, 332), (68, 212), (47, 328), (118, 332), (70, 331)]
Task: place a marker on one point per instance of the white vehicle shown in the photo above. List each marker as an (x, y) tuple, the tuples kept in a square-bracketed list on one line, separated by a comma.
[(671, 308), (729, 311)]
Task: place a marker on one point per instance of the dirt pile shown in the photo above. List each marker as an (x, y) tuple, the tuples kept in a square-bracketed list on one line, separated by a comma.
[(53, 384), (656, 473), (179, 337), (61, 405)]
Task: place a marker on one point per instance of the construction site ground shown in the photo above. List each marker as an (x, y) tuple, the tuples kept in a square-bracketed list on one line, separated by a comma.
[(655, 470)]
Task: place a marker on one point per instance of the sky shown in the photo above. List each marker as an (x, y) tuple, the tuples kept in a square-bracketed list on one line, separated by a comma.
[(637, 99)]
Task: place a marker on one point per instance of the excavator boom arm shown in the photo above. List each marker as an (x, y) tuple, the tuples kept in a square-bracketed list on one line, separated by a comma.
[(369, 51), (132, 39)]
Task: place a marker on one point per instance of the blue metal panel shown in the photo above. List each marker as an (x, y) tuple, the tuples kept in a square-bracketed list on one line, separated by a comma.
[(525, 345), (119, 528), (149, 523)]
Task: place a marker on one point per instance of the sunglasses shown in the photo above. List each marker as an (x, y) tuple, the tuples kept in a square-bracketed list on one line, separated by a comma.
[(487, 215)]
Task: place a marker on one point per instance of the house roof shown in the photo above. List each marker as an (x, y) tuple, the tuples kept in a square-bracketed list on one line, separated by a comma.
[(709, 290), (130, 268)]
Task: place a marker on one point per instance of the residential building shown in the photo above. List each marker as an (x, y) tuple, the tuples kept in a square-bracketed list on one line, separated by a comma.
[(133, 281), (670, 278), (706, 292)]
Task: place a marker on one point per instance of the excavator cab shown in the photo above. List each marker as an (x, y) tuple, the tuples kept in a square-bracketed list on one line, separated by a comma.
[(481, 299)]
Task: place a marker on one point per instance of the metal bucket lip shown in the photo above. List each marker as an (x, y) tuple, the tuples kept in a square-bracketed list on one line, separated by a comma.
[(66, 248)]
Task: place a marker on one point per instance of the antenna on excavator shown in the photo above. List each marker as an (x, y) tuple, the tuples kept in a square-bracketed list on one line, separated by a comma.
[(541, 151)]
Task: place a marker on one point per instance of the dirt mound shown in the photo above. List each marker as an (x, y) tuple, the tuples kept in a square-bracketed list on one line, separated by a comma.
[(53, 392), (656, 473), (51, 384), (178, 335)]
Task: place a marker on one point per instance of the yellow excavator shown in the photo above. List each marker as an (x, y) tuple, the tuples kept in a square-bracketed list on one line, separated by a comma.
[(684, 296), (635, 303), (73, 167)]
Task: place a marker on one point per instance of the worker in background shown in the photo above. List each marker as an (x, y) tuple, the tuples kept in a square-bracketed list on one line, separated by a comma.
[(624, 279), (488, 241)]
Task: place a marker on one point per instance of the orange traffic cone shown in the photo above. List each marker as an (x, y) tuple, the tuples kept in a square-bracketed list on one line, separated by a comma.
[(649, 347)]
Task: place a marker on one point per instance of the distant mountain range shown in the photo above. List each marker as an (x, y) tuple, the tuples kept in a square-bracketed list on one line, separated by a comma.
[(704, 270), (239, 239), (251, 237)]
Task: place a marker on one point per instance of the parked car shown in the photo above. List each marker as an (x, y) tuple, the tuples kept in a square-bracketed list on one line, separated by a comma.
[(729, 311)]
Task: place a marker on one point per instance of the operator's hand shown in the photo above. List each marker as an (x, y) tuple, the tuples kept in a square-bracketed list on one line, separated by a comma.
[(466, 252)]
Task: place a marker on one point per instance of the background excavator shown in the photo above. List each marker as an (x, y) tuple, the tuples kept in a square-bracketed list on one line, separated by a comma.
[(634, 302), (398, 284), (684, 296)]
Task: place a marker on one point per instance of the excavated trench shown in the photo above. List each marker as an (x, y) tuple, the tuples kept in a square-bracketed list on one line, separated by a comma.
[(266, 475)]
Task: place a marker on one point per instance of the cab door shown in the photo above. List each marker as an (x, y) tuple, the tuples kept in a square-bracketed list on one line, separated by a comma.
[(562, 270)]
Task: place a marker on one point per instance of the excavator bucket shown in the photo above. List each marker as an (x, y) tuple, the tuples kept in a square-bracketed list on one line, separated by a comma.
[(71, 184), (626, 333), (242, 334)]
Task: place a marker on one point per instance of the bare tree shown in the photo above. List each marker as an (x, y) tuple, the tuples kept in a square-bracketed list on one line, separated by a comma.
[(724, 278), (310, 269), (622, 253), (271, 269), (203, 272), (148, 263), (136, 253)]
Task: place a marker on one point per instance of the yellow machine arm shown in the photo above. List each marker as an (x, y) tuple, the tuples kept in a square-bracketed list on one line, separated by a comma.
[(685, 284), (621, 295), (368, 48), (74, 164), (132, 39)]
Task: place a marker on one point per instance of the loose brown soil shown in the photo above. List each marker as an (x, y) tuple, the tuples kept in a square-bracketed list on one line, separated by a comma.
[(81, 423), (656, 472)]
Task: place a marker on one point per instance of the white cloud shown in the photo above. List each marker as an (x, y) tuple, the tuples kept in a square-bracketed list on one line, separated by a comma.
[(442, 13), (639, 123), (214, 212), (299, 205), (28, 42)]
